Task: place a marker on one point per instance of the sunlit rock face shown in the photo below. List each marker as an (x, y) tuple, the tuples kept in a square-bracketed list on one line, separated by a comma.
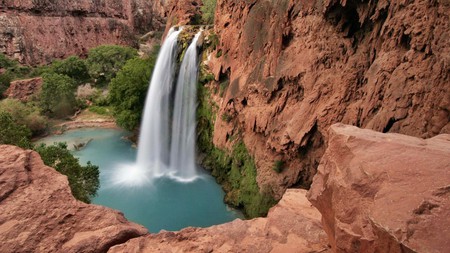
[(384, 192), (39, 214), (294, 68), (38, 31)]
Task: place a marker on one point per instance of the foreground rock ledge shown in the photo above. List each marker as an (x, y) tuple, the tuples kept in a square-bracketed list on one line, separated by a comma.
[(293, 225), (384, 192), (39, 214)]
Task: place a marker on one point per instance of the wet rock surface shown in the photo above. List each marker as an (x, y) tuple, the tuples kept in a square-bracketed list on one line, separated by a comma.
[(384, 192)]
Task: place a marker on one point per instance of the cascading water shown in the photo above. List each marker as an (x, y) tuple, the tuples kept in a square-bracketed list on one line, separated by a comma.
[(182, 150), (153, 145)]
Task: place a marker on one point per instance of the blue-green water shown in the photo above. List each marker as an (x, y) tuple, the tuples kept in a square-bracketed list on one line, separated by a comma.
[(160, 204)]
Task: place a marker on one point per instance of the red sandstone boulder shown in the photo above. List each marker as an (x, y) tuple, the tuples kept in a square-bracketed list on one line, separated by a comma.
[(384, 192), (39, 214), (291, 226), (24, 89)]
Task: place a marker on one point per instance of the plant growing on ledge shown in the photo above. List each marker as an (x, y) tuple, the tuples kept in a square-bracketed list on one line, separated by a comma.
[(208, 11), (278, 166)]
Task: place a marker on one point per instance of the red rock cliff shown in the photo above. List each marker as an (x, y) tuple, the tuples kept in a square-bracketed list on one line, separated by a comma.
[(296, 67), (38, 31)]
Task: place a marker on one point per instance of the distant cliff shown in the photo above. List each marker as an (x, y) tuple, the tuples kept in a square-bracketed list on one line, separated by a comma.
[(37, 31), (293, 68)]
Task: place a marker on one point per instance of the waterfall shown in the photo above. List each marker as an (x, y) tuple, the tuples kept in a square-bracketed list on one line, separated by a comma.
[(153, 145), (167, 140), (182, 149)]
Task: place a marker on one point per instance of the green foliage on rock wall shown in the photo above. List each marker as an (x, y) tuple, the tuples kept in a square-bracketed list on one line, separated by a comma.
[(235, 171), (83, 180), (208, 11)]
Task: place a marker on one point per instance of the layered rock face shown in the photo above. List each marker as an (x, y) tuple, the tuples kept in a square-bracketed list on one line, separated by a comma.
[(24, 89), (37, 31), (296, 67), (291, 226), (384, 192), (39, 214)]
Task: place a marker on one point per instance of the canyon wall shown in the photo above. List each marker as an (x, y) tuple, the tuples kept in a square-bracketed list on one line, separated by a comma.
[(293, 68), (37, 31)]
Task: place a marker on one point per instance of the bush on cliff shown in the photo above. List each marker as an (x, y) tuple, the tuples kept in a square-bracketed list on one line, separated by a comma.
[(13, 133), (57, 97), (105, 61), (83, 180), (127, 91), (208, 11)]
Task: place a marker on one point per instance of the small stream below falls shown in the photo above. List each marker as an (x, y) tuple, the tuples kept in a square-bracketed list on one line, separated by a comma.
[(162, 203)]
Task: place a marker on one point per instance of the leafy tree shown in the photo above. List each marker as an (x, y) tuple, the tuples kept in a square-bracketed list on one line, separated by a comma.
[(24, 114), (5, 81), (72, 67), (105, 61), (128, 89), (57, 97), (208, 11), (13, 133), (83, 180)]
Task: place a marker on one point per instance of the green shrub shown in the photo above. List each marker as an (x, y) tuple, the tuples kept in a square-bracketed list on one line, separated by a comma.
[(208, 11), (5, 81), (278, 166), (57, 97), (25, 114), (105, 61), (13, 133), (72, 67), (102, 110), (83, 180), (128, 90)]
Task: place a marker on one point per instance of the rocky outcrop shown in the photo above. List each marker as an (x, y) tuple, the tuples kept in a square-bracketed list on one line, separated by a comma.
[(293, 68), (24, 89), (38, 31), (384, 192), (291, 226), (39, 214), (183, 12)]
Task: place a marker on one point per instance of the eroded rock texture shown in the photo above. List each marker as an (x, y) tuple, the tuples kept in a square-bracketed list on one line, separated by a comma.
[(25, 89), (296, 67), (39, 214), (37, 31), (384, 192), (291, 226)]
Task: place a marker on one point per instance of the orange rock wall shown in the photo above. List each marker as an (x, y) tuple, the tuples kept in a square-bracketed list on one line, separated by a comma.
[(36, 32), (296, 67)]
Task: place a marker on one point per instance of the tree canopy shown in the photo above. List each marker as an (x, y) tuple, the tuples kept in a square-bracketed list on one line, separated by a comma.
[(105, 61), (127, 91)]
